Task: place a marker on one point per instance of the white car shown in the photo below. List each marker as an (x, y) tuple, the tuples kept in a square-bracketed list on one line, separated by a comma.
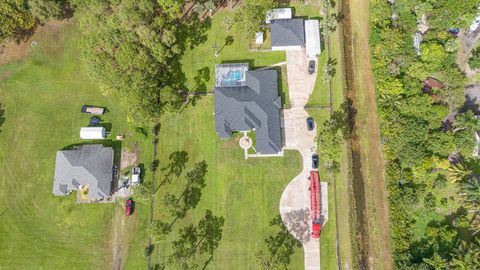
[(136, 176)]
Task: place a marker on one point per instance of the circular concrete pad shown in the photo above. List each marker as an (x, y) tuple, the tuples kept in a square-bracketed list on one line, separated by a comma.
[(245, 142)]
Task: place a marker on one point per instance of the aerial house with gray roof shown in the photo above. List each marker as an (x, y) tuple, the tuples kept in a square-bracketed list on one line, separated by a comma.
[(88, 168), (248, 100), (288, 33)]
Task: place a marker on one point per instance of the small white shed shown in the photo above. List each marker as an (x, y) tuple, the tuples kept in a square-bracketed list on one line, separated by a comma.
[(278, 13), (259, 38), (312, 38), (92, 133)]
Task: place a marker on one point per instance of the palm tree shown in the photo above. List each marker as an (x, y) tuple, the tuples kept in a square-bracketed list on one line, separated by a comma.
[(466, 256), (210, 6), (438, 263), (475, 224), (390, 101), (466, 121), (459, 171), (228, 22), (471, 193)]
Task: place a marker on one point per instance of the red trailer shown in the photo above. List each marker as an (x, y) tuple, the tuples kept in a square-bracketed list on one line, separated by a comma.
[(315, 204)]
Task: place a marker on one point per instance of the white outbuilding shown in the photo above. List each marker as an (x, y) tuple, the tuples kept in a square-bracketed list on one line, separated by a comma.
[(312, 39), (92, 133), (259, 38), (278, 13)]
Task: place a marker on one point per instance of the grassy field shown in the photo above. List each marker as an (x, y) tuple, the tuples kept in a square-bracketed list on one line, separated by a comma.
[(245, 192), (42, 96)]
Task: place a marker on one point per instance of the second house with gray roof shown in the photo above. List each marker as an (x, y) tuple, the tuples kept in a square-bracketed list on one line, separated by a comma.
[(88, 168)]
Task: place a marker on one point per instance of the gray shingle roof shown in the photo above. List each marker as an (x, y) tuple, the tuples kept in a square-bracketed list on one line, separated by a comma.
[(90, 165), (287, 32), (256, 105)]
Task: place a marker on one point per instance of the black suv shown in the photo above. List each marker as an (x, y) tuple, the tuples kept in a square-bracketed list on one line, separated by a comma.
[(311, 67), (310, 123), (315, 161)]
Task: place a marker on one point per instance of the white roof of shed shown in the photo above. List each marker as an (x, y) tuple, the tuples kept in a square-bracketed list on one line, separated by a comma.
[(92, 133), (259, 38), (312, 38), (278, 13)]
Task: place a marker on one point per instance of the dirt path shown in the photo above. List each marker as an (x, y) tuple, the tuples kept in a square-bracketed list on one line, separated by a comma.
[(373, 233), (121, 226), (16, 51), (118, 239)]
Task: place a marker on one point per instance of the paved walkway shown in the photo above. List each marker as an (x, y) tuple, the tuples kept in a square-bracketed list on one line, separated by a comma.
[(295, 200)]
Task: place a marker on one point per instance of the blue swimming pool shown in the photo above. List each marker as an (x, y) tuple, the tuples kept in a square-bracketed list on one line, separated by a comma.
[(234, 76)]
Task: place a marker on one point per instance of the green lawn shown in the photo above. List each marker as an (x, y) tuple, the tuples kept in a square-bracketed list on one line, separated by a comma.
[(42, 96), (203, 56), (245, 192)]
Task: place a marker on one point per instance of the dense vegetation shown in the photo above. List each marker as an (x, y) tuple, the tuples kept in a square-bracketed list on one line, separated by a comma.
[(19, 17), (131, 48), (433, 227)]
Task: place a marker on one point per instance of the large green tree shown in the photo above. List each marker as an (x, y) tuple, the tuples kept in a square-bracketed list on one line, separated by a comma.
[(15, 19), (44, 10), (250, 17), (131, 48)]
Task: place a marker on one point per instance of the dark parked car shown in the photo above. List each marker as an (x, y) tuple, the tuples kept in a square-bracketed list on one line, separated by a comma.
[(311, 67), (310, 123), (129, 207), (315, 161)]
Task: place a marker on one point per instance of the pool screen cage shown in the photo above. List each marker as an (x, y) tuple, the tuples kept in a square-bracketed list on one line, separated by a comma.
[(228, 75)]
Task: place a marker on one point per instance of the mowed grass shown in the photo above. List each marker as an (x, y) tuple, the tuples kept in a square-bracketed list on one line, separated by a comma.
[(246, 193), (202, 56), (42, 96)]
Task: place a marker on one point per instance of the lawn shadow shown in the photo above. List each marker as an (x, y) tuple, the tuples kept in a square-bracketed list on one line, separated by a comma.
[(3, 212), (282, 245), (193, 31), (228, 41), (107, 126), (2, 115), (142, 171), (250, 62), (192, 96), (176, 165)]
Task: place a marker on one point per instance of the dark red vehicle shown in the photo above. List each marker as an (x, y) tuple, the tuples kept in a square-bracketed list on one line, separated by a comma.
[(315, 207), (128, 207)]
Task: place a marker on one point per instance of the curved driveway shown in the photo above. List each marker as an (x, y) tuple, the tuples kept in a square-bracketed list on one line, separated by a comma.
[(295, 199)]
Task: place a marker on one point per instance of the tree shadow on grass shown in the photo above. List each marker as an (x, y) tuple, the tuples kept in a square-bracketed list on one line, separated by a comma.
[(176, 165), (191, 195), (281, 245), (250, 62), (2, 115), (193, 31)]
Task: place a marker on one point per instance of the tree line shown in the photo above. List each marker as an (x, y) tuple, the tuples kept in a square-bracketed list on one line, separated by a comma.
[(426, 131), (18, 18)]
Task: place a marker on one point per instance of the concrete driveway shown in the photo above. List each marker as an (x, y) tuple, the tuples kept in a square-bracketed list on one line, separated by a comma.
[(295, 200)]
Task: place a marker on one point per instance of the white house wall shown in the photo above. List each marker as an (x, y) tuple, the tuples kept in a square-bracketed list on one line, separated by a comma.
[(286, 48)]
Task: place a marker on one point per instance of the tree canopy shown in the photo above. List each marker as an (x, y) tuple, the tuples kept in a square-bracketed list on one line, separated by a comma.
[(250, 17), (132, 49)]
